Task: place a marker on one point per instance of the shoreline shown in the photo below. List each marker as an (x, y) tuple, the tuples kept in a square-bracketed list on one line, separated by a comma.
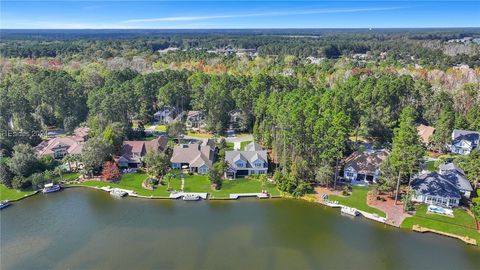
[(369, 216)]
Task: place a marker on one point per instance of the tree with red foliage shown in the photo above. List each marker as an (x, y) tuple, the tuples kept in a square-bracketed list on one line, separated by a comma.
[(110, 172)]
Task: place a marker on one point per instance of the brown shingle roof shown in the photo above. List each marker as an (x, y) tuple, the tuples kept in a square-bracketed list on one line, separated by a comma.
[(425, 133), (366, 162)]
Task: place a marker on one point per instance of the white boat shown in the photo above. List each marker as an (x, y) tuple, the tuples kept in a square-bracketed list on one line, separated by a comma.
[(4, 204), (50, 187), (191, 197), (118, 193), (349, 211)]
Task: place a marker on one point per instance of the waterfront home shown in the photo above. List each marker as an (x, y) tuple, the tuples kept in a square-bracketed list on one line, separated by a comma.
[(464, 141), (425, 133), (457, 177), (198, 158), (58, 147), (252, 160), (165, 115), (363, 167), (435, 188), (195, 119), (132, 152)]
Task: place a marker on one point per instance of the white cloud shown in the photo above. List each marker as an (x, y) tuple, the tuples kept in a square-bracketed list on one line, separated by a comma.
[(279, 13)]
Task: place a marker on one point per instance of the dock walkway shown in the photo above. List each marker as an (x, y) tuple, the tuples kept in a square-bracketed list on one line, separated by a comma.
[(178, 195), (259, 195)]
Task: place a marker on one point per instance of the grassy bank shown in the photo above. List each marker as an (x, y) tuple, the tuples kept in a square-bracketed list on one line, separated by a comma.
[(461, 224), (12, 194), (358, 199), (193, 183)]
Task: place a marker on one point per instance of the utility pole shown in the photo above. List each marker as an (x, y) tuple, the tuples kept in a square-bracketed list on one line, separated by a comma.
[(398, 187)]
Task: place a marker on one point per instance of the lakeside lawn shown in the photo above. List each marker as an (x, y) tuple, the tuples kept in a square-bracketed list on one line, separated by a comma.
[(358, 199), (67, 177), (12, 194), (133, 181), (462, 224), (201, 183), (193, 183)]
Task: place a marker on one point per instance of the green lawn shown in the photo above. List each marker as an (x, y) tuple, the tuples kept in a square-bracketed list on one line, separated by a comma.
[(161, 128), (67, 177), (200, 135), (201, 183), (461, 224), (477, 199), (243, 186), (431, 166), (133, 181), (230, 146), (12, 194), (358, 199), (193, 183), (243, 144)]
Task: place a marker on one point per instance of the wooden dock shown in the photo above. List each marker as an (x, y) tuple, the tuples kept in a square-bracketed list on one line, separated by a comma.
[(259, 195), (178, 195)]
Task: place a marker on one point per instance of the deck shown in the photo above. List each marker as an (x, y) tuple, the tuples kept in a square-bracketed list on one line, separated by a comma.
[(259, 195), (178, 195)]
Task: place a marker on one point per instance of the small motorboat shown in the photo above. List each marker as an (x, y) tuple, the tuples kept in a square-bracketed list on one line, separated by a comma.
[(118, 193), (190, 197), (349, 211), (50, 187), (5, 204)]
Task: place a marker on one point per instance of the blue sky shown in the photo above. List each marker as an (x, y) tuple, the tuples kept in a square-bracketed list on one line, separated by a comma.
[(237, 14)]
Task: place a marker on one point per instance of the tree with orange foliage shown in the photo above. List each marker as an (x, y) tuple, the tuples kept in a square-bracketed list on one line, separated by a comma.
[(110, 172)]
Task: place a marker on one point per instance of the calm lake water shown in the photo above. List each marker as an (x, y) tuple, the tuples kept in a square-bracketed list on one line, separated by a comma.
[(88, 229)]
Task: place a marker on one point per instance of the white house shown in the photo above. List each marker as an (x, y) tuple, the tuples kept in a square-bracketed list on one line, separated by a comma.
[(457, 177), (464, 141), (434, 188), (253, 160), (198, 158), (363, 168)]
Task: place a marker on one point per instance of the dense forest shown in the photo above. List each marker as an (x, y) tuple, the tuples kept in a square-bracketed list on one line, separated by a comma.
[(309, 114)]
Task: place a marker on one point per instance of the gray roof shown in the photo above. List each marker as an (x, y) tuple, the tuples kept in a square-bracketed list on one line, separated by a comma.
[(467, 135), (248, 156), (459, 181), (366, 162), (451, 167), (435, 184), (253, 146), (194, 154)]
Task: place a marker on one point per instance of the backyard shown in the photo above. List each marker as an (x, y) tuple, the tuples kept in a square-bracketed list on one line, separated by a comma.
[(193, 183), (133, 181), (357, 199), (462, 224), (12, 194)]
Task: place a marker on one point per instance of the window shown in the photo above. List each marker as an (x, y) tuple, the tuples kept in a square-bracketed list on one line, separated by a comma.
[(349, 174), (258, 164)]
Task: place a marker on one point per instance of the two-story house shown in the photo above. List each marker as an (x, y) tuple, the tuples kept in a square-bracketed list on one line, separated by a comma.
[(457, 177), (464, 141), (195, 120), (198, 158), (252, 160), (363, 168), (132, 152), (59, 147)]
